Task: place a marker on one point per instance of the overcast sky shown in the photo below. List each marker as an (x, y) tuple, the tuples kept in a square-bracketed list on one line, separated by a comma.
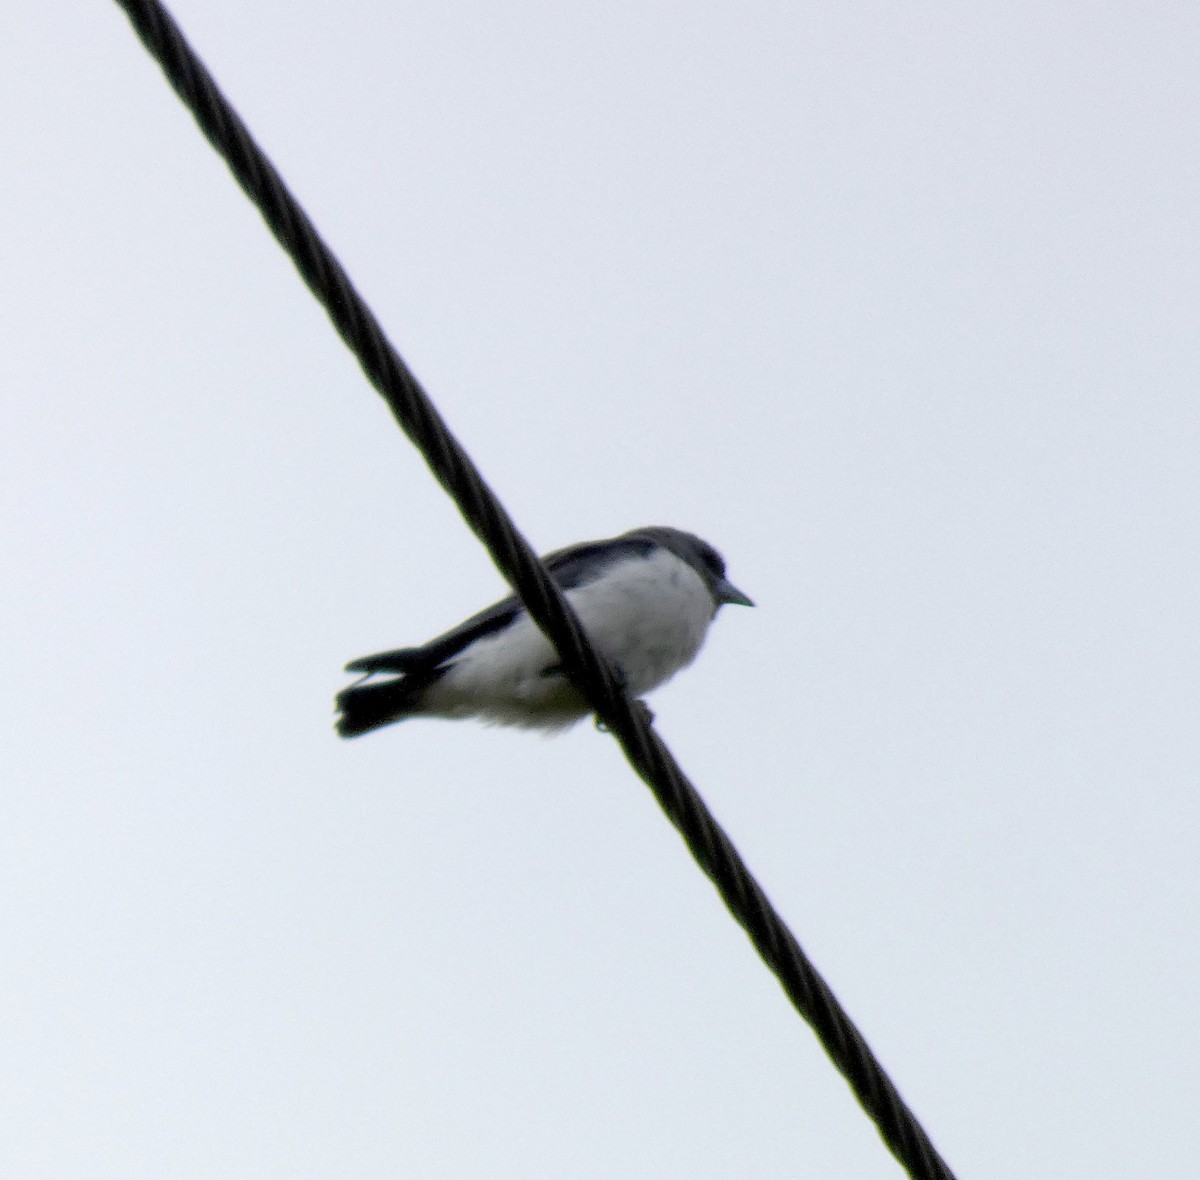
[(895, 304)]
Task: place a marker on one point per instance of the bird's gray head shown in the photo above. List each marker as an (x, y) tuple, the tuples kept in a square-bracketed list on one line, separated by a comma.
[(702, 557)]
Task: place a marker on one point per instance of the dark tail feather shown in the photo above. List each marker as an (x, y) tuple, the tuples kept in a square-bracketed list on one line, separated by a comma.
[(364, 707), (403, 659)]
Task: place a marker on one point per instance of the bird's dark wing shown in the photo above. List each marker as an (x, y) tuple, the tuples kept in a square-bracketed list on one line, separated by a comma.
[(437, 651), (571, 567), (579, 564)]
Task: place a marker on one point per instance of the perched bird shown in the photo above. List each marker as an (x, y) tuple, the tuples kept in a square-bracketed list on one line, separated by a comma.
[(645, 598)]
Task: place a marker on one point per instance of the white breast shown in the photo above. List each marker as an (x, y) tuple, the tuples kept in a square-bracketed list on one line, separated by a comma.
[(648, 615)]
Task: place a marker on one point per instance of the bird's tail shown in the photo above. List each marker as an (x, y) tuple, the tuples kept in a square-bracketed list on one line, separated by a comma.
[(364, 707)]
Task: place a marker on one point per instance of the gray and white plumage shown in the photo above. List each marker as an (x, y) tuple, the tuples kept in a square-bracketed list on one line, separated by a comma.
[(645, 598)]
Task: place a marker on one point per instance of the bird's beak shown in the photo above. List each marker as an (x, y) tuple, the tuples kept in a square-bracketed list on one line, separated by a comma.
[(728, 592)]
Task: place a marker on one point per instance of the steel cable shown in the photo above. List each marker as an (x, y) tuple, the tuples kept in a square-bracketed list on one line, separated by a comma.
[(627, 719)]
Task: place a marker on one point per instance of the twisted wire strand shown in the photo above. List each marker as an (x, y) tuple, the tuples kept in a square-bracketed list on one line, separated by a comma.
[(626, 719)]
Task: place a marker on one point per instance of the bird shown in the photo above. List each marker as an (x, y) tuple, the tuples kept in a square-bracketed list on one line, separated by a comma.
[(645, 599)]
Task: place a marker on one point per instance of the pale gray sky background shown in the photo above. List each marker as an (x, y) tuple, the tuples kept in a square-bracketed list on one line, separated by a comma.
[(896, 304)]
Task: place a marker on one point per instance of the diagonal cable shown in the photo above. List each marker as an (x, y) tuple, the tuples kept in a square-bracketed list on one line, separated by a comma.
[(487, 518)]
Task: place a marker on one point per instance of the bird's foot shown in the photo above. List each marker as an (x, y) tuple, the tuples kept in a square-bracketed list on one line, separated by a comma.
[(642, 709)]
